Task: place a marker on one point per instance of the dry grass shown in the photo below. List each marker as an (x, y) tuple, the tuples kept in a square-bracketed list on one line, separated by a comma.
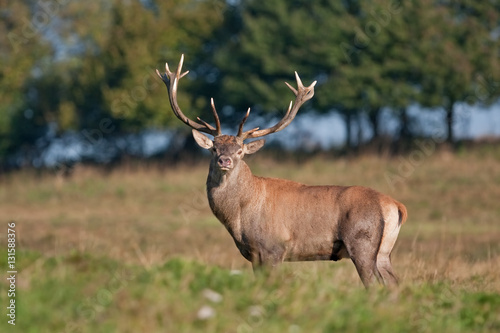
[(147, 215)]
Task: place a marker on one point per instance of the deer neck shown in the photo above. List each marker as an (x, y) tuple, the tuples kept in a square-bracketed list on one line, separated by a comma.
[(228, 192)]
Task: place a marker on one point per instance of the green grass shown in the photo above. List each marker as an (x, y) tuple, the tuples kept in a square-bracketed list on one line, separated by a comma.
[(138, 251), (83, 293)]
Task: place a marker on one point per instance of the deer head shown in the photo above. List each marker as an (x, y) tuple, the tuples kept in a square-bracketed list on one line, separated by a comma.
[(228, 150)]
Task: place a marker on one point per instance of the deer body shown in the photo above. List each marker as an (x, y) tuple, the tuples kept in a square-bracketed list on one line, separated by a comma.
[(274, 220), (262, 222)]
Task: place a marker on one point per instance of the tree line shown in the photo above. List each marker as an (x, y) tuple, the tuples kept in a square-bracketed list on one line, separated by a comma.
[(75, 65)]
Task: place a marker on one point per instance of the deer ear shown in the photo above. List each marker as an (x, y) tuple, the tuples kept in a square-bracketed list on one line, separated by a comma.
[(202, 140), (254, 146)]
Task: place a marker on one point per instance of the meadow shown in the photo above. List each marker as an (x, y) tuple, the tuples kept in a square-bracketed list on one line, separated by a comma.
[(136, 249)]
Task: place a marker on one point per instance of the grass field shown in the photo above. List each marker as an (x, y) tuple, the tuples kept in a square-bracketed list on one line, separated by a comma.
[(138, 250)]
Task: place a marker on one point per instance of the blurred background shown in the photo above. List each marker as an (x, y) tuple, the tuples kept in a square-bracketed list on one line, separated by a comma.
[(78, 82), (106, 188)]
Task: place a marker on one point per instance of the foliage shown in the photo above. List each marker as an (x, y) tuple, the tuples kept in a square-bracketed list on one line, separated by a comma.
[(20, 49), (73, 65), (89, 63), (460, 51), (367, 55)]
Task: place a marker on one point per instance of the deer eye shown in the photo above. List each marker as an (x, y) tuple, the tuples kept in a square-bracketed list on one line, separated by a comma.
[(240, 152)]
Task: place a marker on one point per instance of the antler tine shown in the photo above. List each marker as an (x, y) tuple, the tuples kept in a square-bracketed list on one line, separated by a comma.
[(216, 116), (240, 129), (171, 81), (246, 134), (302, 94)]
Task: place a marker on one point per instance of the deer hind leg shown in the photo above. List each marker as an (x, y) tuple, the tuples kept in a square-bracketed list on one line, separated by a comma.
[(389, 236), (384, 267), (363, 254), (362, 242)]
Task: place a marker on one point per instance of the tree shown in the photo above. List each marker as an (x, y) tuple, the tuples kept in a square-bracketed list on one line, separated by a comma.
[(460, 55), (273, 39), (116, 76), (74, 65), (356, 50), (22, 50)]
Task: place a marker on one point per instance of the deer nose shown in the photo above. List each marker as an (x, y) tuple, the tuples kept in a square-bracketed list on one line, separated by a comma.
[(225, 162)]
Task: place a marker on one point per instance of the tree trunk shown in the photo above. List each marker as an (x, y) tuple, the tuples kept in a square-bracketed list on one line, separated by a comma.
[(405, 136), (449, 123), (359, 134), (348, 141), (374, 116), (404, 132)]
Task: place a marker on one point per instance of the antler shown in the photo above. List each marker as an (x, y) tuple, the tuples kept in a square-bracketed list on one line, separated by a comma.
[(171, 80), (302, 94)]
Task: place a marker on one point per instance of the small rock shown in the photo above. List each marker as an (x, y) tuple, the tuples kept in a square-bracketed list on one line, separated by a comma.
[(212, 296), (205, 312), (256, 311)]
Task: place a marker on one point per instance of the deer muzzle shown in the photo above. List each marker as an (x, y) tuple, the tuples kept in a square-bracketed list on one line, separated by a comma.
[(225, 162)]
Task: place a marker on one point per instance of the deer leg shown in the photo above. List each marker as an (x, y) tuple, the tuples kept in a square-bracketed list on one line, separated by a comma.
[(267, 259), (389, 236), (385, 269), (384, 265), (367, 271), (363, 255)]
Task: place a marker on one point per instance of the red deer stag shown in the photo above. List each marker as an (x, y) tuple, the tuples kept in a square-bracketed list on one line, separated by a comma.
[(273, 220)]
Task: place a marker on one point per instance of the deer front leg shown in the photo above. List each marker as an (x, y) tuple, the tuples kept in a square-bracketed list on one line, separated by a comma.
[(267, 258)]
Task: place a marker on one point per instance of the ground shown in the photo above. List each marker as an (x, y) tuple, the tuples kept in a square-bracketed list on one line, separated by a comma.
[(137, 249)]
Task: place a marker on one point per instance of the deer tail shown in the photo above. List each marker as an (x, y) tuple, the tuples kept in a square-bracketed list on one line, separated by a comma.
[(403, 213)]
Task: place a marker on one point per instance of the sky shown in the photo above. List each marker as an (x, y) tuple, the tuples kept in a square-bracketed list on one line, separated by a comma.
[(325, 131)]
